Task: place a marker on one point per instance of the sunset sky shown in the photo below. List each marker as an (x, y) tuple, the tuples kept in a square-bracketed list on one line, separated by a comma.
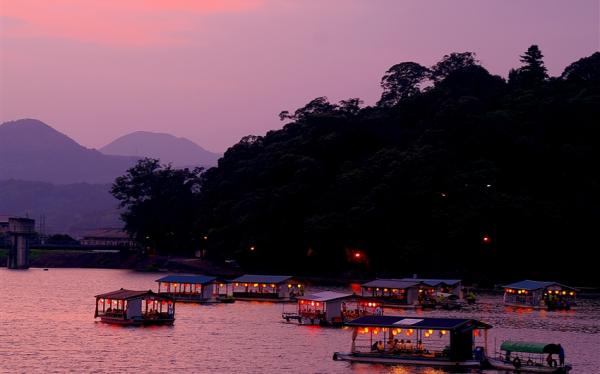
[(214, 71)]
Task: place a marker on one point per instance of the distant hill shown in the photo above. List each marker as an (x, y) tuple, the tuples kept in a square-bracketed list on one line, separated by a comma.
[(31, 150), (165, 147), (72, 209)]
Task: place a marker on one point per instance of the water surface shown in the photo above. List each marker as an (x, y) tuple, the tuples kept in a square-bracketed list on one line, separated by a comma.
[(47, 325)]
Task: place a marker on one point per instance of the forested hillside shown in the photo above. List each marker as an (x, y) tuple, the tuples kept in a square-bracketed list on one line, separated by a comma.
[(454, 172)]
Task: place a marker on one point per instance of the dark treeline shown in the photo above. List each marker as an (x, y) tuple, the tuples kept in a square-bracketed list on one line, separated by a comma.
[(454, 172)]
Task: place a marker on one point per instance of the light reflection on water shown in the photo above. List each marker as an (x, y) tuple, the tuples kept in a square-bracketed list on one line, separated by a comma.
[(46, 325)]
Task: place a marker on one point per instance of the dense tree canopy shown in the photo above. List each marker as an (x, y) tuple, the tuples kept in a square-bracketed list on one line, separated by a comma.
[(160, 206), (469, 177)]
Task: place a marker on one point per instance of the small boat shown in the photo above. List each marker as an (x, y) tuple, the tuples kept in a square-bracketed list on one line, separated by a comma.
[(329, 308), (135, 308), (528, 357), (275, 288), (194, 288), (434, 342)]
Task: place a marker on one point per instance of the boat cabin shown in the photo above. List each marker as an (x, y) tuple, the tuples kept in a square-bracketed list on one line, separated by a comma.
[(530, 357), (127, 307), (416, 341), (194, 288), (332, 308), (411, 291), (539, 294), (392, 291), (266, 287)]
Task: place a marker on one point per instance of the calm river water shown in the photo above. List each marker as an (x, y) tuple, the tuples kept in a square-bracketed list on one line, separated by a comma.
[(47, 325)]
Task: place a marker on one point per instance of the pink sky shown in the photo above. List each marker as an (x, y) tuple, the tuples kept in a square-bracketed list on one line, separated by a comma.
[(214, 71)]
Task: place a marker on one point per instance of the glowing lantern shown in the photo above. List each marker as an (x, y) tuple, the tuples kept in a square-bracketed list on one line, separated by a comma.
[(430, 332), (255, 284), (375, 332), (444, 332), (564, 292), (272, 286), (245, 284), (289, 286), (317, 304), (486, 239), (385, 290), (357, 255), (299, 286), (237, 284), (571, 293), (312, 303)]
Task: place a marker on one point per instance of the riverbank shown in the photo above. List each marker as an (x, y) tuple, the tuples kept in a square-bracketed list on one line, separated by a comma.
[(115, 259)]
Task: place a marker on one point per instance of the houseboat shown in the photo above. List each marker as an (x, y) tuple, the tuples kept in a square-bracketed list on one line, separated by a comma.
[(195, 288), (539, 295), (435, 342), (266, 287), (413, 292), (529, 357), (135, 308), (330, 308)]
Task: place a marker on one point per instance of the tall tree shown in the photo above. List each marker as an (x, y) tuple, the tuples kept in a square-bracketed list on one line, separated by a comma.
[(401, 81), (160, 205), (533, 71), (451, 63)]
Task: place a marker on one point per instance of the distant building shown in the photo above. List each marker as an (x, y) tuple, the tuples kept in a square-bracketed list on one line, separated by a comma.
[(109, 237)]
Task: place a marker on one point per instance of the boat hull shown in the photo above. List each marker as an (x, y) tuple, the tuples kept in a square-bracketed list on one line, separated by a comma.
[(400, 360), (504, 365), (136, 322)]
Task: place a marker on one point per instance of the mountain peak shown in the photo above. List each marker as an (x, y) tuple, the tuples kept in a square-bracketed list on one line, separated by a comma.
[(166, 147)]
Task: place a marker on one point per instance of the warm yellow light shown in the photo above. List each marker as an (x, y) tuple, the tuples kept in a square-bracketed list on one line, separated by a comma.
[(385, 290), (564, 292), (571, 293), (255, 284), (272, 286), (430, 331), (289, 286)]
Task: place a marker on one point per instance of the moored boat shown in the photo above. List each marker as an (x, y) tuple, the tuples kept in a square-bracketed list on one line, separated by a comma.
[(195, 288), (529, 357), (436, 342), (330, 308), (135, 308), (276, 288)]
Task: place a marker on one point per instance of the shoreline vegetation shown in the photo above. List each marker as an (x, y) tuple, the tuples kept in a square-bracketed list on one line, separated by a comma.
[(129, 260), (455, 173)]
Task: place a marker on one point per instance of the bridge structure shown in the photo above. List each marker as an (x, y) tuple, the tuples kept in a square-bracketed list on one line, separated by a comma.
[(19, 232)]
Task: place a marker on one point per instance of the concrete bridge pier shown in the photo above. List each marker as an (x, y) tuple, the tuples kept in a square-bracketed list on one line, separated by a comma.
[(19, 231)]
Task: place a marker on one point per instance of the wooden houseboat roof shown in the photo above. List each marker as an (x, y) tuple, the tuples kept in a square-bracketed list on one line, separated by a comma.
[(190, 279), (391, 283), (327, 296), (253, 278), (532, 285), (418, 323), (434, 282), (123, 294)]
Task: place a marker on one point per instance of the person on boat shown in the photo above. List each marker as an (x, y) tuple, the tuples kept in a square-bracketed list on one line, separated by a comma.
[(396, 348), (549, 359), (380, 346), (374, 347), (507, 356), (561, 355), (378, 311), (409, 346)]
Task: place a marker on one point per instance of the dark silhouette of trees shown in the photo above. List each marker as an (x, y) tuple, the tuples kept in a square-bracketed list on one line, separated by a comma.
[(401, 81), (533, 72), (416, 186), (584, 71), (451, 63), (160, 206)]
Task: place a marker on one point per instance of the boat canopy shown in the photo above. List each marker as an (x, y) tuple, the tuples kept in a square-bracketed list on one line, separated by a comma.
[(190, 279), (452, 324), (123, 294), (252, 278), (329, 296), (391, 283), (529, 347), (532, 285), (434, 282)]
